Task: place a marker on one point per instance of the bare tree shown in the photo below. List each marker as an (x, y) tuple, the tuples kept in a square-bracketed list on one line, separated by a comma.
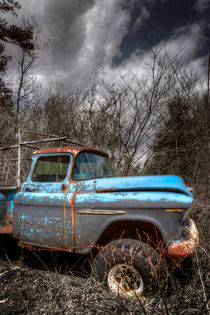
[(26, 82), (205, 29)]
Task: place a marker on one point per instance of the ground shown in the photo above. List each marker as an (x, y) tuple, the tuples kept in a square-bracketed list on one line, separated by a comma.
[(60, 283)]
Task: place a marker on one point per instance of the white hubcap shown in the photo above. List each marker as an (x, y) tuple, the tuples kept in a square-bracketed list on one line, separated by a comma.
[(125, 280)]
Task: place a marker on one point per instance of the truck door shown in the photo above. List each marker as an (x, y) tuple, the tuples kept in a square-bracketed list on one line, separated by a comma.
[(41, 207)]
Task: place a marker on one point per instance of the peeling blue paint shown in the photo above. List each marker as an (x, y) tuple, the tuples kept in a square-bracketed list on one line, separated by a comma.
[(45, 213), (137, 199), (136, 183)]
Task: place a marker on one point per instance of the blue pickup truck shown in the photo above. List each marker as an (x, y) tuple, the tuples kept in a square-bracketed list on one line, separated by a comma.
[(72, 201)]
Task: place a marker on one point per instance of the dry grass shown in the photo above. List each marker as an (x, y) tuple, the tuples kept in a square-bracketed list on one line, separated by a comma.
[(30, 291), (57, 283)]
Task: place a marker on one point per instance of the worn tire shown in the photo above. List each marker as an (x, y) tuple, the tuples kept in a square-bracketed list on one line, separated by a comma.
[(130, 268)]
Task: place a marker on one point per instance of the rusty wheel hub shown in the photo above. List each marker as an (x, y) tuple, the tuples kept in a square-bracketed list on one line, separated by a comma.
[(125, 280)]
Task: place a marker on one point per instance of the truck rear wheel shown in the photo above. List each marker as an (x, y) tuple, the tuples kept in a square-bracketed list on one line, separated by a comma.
[(130, 268)]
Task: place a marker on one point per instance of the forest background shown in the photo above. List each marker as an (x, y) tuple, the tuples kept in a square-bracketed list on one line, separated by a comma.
[(159, 124)]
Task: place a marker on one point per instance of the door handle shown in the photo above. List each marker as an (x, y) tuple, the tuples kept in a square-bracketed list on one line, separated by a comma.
[(29, 188)]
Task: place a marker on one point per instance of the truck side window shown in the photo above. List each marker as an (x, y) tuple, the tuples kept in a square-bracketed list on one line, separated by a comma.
[(91, 165), (51, 169)]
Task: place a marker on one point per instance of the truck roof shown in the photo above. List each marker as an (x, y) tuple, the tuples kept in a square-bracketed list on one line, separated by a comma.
[(75, 150)]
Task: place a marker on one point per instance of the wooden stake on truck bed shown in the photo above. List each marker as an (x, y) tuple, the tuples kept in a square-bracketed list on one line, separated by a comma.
[(31, 144), (19, 158)]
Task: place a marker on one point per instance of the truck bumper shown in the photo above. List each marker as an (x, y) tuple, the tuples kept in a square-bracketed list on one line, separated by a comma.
[(184, 248)]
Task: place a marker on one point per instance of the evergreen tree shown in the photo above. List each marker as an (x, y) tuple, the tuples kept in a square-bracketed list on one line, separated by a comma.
[(18, 36), (11, 34), (174, 142), (180, 146)]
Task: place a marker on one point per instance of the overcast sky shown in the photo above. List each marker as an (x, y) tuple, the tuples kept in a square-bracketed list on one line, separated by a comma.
[(90, 40)]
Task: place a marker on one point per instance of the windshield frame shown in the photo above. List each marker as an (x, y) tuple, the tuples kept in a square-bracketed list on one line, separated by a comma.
[(75, 179)]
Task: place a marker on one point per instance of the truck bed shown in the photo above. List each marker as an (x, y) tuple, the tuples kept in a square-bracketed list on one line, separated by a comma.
[(6, 208)]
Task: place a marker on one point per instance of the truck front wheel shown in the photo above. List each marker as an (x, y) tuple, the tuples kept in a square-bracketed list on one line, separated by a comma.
[(130, 268)]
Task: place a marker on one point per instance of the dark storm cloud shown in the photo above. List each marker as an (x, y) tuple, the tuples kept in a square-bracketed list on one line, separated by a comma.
[(93, 39), (65, 30), (82, 36)]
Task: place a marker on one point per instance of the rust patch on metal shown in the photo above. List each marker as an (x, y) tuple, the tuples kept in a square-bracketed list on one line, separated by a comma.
[(185, 248), (104, 190), (72, 203), (181, 250), (64, 220), (8, 229), (71, 149), (39, 247)]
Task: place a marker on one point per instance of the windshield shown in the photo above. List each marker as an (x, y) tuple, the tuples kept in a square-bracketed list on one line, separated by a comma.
[(91, 165)]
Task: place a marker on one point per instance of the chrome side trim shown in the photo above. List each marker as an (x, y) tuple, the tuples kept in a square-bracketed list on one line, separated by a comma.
[(101, 212)]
